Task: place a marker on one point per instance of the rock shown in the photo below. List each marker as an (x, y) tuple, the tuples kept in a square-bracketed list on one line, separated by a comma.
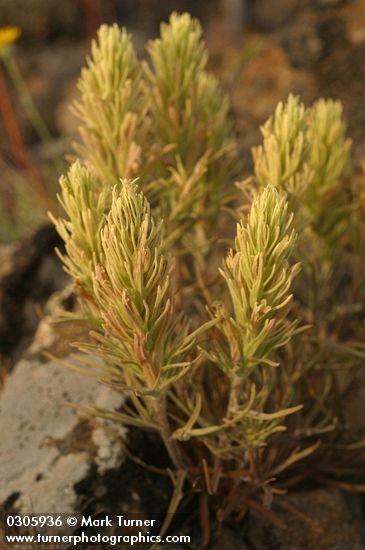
[(319, 518), (29, 273), (46, 447)]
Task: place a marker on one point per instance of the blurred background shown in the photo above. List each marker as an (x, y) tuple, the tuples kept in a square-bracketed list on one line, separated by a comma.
[(260, 49)]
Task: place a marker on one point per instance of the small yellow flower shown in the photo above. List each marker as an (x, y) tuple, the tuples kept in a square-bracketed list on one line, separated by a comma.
[(8, 35)]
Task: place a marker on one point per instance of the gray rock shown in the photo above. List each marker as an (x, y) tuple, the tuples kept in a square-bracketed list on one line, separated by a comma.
[(46, 447)]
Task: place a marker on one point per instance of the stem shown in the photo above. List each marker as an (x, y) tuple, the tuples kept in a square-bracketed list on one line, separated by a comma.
[(29, 105), (233, 396), (171, 445), (204, 519), (16, 140), (217, 470), (159, 403), (11, 125), (174, 503)]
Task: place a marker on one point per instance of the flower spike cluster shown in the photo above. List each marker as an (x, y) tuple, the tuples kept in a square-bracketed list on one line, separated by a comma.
[(305, 153), (281, 159), (85, 203), (166, 123), (133, 291), (110, 99), (219, 381), (259, 277)]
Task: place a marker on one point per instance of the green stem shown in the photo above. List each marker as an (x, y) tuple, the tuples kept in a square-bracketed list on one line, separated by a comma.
[(232, 408)]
